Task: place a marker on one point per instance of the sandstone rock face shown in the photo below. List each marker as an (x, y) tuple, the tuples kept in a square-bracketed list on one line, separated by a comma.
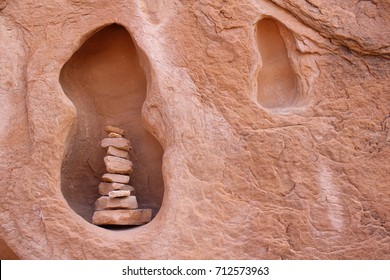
[(261, 129)]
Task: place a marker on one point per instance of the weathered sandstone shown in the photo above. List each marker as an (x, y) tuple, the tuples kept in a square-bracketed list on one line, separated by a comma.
[(112, 130), (122, 217), (119, 193), (118, 165), (119, 143), (260, 128), (105, 202), (114, 135), (112, 151), (105, 188), (115, 178)]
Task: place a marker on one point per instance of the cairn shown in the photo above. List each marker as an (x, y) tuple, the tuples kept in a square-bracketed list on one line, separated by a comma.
[(118, 203)]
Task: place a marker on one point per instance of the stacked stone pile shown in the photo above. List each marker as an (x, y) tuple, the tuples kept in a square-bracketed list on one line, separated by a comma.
[(118, 205)]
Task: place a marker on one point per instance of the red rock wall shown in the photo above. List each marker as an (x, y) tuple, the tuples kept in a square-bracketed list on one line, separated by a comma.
[(301, 176), (106, 84)]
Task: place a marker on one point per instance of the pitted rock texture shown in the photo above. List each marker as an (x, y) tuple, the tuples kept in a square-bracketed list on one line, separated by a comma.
[(237, 175)]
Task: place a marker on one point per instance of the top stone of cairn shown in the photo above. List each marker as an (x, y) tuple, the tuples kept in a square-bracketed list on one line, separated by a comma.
[(112, 129)]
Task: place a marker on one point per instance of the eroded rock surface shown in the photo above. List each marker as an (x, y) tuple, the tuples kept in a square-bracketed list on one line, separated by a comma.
[(235, 173)]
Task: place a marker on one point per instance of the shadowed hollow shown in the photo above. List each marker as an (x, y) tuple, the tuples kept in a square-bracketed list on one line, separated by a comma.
[(107, 85)]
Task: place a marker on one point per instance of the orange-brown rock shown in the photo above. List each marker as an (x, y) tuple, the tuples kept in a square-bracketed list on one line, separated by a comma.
[(114, 130), (112, 151), (119, 143), (105, 203), (260, 128), (118, 165), (105, 188), (114, 135), (119, 193), (122, 217), (115, 178)]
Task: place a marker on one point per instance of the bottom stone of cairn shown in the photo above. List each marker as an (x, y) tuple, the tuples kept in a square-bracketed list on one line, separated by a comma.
[(122, 217)]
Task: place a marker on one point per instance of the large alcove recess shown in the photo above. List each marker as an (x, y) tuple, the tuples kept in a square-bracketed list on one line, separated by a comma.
[(107, 85), (276, 80)]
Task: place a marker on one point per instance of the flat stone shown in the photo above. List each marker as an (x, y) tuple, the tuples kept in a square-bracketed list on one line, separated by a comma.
[(119, 143), (112, 151), (105, 202), (106, 188), (114, 135), (116, 178), (120, 193), (117, 186), (122, 217), (110, 129), (118, 165)]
